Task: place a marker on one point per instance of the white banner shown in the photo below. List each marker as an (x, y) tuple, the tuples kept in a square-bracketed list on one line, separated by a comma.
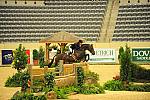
[(52, 53), (103, 55)]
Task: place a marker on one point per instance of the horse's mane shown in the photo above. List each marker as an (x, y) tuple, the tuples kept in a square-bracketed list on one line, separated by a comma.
[(85, 46), (72, 46)]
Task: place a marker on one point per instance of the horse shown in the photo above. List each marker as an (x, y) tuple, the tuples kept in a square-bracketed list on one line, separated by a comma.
[(77, 56)]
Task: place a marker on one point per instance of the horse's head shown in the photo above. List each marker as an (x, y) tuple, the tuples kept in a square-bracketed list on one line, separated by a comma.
[(88, 47), (91, 49)]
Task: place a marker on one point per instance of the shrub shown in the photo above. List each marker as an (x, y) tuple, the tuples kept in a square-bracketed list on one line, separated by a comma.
[(125, 61), (117, 77), (64, 49), (139, 72), (20, 58), (26, 96), (92, 89), (38, 85), (60, 93), (144, 88), (70, 89), (16, 80), (94, 77), (24, 80), (38, 82), (130, 71), (41, 57), (49, 80), (23, 96), (42, 97), (114, 85), (80, 76), (46, 63), (37, 89), (135, 88), (55, 47)]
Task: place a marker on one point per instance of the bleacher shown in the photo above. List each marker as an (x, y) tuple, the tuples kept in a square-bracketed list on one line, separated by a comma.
[(83, 18), (133, 23)]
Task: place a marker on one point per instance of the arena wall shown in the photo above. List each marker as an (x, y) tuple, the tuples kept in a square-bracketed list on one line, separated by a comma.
[(112, 45), (13, 46), (107, 72)]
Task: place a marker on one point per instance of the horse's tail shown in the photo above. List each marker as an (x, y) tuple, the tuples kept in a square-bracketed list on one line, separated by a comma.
[(50, 64)]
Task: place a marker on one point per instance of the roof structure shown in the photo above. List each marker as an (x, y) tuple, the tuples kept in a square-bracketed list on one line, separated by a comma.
[(61, 37)]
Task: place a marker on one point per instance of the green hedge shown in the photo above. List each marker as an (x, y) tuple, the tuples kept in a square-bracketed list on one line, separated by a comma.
[(139, 73), (94, 77), (91, 89), (26, 96), (80, 76), (60, 92), (16, 79), (49, 80), (143, 88), (117, 85), (114, 85)]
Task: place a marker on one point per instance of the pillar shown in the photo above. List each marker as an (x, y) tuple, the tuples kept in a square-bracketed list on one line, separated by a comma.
[(47, 51)]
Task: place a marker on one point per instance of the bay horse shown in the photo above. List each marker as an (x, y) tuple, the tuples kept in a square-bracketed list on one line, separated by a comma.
[(77, 56)]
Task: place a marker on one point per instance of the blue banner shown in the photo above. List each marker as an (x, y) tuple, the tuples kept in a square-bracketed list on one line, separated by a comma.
[(7, 56)]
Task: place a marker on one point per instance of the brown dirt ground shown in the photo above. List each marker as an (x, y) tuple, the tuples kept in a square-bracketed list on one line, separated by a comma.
[(5, 92), (106, 73), (114, 95)]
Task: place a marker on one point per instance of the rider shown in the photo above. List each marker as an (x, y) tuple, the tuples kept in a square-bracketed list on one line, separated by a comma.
[(74, 47), (77, 45), (69, 50)]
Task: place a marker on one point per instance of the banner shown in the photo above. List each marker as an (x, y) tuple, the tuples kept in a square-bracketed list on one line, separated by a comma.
[(103, 55), (7, 56), (28, 54), (141, 54), (52, 53)]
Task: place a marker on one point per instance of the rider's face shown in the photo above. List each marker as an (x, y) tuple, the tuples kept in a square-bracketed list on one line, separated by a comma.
[(80, 44)]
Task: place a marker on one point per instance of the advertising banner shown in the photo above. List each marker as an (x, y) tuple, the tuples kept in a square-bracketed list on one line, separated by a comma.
[(141, 54), (103, 55), (7, 56), (52, 53), (28, 54)]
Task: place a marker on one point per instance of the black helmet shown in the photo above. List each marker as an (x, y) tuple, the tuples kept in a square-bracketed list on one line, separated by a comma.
[(80, 41)]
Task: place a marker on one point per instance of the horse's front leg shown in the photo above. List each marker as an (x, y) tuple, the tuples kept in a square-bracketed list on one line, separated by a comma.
[(87, 57)]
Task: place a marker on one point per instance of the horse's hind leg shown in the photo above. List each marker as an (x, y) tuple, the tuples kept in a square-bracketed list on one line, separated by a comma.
[(56, 63)]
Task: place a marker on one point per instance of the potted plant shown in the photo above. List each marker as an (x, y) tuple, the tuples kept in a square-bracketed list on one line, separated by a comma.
[(50, 48), (35, 57), (41, 57), (55, 47)]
